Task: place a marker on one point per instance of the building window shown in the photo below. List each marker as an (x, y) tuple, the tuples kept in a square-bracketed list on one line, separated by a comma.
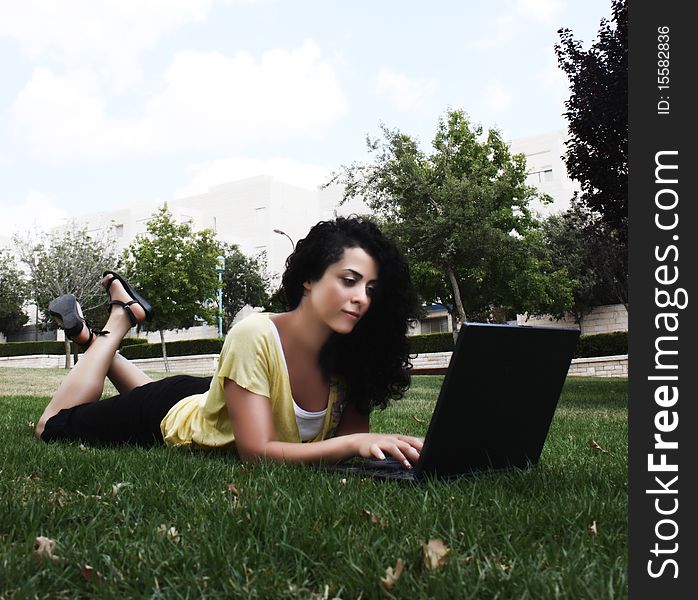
[(119, 230), (435, 325), (540, 175)]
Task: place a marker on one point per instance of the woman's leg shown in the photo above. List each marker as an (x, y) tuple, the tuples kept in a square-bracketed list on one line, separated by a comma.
[(125, 375), (85, 382)]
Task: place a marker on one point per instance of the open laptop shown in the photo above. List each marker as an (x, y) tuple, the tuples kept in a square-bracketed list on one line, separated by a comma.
[(495, 406)]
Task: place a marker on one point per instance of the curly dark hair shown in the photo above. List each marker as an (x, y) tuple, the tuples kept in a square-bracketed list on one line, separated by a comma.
[(373, 360)]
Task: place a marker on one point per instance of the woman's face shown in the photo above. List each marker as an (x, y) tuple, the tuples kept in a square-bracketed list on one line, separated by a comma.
[(343, 294)]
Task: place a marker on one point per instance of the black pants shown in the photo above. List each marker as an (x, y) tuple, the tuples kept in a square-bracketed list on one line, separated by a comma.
[(131, 418)]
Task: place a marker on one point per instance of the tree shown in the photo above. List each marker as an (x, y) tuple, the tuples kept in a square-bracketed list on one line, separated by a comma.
[(575, 246), (461, 215), (13, 293), (244, 282), (597, 148), (68, 261), (597, 113), (174, 267)]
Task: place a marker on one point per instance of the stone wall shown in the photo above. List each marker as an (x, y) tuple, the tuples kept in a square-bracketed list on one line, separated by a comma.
[(601, 366), (433, 363), (203, 364)]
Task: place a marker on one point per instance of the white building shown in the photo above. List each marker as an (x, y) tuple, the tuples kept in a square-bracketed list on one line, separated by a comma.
[(245, 212), (546, 169)]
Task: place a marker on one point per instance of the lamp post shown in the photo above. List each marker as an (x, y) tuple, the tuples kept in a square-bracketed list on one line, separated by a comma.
[(293, 244), (220, 268)]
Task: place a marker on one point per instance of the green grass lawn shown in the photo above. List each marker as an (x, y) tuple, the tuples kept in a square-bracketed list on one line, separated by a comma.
[(173, 523)]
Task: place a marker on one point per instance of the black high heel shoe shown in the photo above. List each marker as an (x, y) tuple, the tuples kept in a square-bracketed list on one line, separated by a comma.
[(64, 310), (136, 299)]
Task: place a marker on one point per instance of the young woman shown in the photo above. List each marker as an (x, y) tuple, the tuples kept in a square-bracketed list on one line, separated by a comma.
[(312, 374)]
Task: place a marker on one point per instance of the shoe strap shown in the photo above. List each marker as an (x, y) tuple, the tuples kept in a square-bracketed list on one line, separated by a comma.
[(127, 307)]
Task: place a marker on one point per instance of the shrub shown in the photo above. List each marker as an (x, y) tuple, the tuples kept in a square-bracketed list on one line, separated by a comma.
[(179, 348), (29, 348), (431, 342), (602, 344)]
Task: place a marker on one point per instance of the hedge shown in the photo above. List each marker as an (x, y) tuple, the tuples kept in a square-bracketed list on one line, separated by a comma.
[(431, 342), (179, 348), (29, 348), (51, 347), (601, 344)]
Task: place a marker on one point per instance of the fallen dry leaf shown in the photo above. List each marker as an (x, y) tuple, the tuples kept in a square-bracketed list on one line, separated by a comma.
[(43, 550), (392, 575), (598, 448), (58, 497), (592, 528), (90, 575), (171, 533), (232, 489), (375, 519), (434, 554), (343, 481), (117, 486), (82, 447), (420, 421)]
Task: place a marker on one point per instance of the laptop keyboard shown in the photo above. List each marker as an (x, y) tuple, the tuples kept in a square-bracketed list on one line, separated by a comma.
[(390, 468)]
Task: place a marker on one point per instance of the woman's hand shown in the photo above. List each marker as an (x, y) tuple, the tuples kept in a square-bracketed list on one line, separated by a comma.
[(376, 445)]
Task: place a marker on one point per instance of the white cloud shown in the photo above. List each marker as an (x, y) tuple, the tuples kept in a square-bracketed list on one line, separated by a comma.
[(62, 116), (496, 98), (36, 211), (207, 101), (518, 18), (543, 11), (551, 77), (109, 35), (206, 175), (403, 92)]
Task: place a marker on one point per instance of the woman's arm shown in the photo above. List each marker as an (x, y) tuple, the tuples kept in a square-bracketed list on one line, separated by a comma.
[(255, 436)]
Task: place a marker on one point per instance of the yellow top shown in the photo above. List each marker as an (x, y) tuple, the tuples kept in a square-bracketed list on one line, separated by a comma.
[(252, 358)]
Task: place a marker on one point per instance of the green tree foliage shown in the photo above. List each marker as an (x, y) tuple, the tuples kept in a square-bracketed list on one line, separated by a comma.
[(597, 148), (174, 267), (14, 292), (597, 113), (462, 216), (68, 261), (573, 245), (244, 282)]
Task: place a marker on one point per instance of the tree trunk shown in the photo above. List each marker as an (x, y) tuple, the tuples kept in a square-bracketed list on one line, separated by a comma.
[(164, 350), (460, 311), (66, 344)]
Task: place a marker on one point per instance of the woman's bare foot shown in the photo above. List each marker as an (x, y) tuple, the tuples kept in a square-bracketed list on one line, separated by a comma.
[(118, 296)]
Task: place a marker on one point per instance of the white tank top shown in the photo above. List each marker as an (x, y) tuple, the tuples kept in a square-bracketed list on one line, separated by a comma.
[(309, 423)]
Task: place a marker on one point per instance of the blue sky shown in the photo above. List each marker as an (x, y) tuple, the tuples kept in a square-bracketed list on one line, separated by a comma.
[(105, 103)]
